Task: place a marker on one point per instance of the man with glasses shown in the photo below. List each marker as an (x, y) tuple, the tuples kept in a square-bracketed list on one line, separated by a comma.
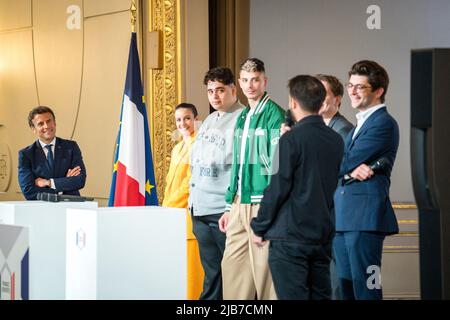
[(364, 214)]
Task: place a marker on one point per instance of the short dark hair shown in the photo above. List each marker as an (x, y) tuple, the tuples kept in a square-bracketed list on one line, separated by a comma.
[(190, 106), (39, 110), (335, 85), (308, 91), (252, 65), (221, 74), (376, 74)]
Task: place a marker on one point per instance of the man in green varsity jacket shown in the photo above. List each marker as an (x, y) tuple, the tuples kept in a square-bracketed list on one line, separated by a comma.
[(245, 269)]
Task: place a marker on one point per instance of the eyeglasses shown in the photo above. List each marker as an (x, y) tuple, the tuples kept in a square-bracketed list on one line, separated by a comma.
[(357, 87)]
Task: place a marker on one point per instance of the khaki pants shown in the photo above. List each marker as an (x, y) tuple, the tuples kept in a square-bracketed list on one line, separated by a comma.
[(245, 266)]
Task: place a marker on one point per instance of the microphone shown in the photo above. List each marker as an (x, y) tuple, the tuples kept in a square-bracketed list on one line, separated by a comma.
[(53, 197), (375, 166), (288, 119), (45, 196)]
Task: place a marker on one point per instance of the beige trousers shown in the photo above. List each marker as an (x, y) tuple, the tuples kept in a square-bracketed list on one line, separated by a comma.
[(245, 266)]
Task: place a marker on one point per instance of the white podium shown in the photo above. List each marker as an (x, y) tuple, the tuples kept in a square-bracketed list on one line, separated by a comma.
[(126, 253), (47, 256)]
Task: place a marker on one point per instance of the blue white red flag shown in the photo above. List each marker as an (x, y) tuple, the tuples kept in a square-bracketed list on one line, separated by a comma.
[(133, 181)]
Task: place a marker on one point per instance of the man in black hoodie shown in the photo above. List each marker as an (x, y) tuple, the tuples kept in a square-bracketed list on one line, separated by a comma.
[(296, 212)]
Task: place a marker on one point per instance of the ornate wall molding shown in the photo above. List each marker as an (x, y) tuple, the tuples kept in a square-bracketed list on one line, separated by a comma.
[(164, 85), (5, 167)]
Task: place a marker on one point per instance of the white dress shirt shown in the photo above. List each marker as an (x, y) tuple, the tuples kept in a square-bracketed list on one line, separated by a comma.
[(52, 183), (362, 116)]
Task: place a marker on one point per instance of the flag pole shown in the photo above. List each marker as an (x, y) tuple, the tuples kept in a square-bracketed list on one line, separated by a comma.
[(133, 10)]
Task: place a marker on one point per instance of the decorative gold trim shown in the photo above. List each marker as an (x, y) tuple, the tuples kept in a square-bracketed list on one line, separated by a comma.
[(133, 11), (5, 167), (402, 296), (178, 22), (400, 205), (164, 85), (400, 251), (406, 234), (413, 221), (400, 247)]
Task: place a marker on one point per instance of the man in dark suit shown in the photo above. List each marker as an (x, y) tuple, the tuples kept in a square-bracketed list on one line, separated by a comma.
[(336, 121), (364, 214), (51, 164), (330, 107), (296, 209)]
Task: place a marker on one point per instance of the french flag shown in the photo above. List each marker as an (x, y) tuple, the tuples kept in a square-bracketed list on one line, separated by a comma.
[(133, 180)]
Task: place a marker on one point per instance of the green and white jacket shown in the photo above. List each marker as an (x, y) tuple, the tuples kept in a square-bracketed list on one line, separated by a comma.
[(262, 140)]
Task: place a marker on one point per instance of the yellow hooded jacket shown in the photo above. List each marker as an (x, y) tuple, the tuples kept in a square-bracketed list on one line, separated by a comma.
[(176, 195)]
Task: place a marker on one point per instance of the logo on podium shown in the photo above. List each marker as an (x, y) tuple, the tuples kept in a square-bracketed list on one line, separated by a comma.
[(14, 269), (81, 239)]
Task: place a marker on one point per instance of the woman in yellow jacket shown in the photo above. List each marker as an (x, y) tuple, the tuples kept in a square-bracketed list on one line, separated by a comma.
[(177, 192)]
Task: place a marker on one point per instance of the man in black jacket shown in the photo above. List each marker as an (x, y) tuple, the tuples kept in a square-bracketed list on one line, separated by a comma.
[(296, 210)]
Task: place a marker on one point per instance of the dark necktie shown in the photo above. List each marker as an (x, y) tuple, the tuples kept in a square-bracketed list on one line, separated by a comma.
[(50, 156)]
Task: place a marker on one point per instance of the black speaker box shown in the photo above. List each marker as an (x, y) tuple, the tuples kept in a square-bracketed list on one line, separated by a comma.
[(430, 165)]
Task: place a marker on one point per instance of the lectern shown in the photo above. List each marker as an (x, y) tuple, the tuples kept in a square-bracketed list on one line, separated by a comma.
[(47, 227), (126, 253)]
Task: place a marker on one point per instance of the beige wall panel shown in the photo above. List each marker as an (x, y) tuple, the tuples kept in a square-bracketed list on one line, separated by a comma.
[(21, 17), (17, 96), (97, 7), (107, 40), (400, 275), (58, 58), (196, 54)]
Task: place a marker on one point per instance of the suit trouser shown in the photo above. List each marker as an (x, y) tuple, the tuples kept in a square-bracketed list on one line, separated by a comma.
[(211, 242), (357, 253), (245, 266), (300, 271), (335, 289)]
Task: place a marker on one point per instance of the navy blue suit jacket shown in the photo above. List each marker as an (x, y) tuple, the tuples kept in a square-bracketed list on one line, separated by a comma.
[(33, 164), (365, 205)]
